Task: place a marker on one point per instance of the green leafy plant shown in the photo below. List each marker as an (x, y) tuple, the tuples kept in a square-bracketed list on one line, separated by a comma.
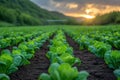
[(20, 57), (99, 48), (66, 58), (117, 73), (4, 77), (63, 72), (5, 42), (112, 58), (6, 63), (117, 44)]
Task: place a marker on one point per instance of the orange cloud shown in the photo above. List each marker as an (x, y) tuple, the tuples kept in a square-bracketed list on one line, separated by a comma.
[(91, 10), (72, 5), (95, 9)]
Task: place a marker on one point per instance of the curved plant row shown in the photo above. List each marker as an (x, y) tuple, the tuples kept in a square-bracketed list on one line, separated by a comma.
[(62, 61), (10, 34), (112, 38), (100, 49), (17, 38), (10, 61)]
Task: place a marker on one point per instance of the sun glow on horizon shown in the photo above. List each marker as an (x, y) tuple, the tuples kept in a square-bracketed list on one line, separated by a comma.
[(87, 16)]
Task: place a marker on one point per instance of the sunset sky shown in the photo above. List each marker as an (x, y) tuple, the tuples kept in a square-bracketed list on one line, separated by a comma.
[(80, 8)]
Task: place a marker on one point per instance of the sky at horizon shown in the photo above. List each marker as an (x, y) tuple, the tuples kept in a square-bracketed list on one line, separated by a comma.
[(80, 8)]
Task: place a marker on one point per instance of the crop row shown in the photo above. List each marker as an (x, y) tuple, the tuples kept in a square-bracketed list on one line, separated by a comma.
[(10, 61), (108, 37), (62, 61), (11, 34), (16, 39), (100, 49)]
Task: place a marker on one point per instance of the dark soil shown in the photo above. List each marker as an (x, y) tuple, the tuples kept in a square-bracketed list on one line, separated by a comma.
[(39, 64), (0, 50), (96, 67), (113, 48)]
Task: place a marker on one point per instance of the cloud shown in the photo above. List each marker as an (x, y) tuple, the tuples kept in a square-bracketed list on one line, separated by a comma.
[(105, 2), (44, 4), (72, 5), (80, 7)]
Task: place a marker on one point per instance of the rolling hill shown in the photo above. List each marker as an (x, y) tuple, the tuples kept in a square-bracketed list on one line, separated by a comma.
[(25, 12)]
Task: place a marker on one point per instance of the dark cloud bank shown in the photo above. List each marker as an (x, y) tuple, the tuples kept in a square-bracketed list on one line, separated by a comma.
[(78, 6)]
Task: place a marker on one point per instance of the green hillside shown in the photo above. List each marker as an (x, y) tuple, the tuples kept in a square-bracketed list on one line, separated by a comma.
[(25, 12)]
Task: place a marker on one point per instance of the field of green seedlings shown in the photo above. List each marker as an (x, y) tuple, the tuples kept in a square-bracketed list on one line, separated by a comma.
[(60, 53)]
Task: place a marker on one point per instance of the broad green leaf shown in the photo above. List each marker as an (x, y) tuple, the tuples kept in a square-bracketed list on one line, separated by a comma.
[(4, 77), (67, 72), (82, 75), (53, 71), (44, 76), (117, 73)]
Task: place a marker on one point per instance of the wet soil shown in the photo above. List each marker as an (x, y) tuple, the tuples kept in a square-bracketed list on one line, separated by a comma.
[(96, 67), (39, 64)]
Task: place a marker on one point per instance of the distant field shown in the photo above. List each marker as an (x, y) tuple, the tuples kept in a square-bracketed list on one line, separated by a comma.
[(44, 52), (53, 27)]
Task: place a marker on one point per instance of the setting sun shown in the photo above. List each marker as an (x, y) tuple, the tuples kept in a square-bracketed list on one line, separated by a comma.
[(88, 16)]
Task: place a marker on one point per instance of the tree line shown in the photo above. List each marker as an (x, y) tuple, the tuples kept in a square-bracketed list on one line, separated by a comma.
[(108, 18)]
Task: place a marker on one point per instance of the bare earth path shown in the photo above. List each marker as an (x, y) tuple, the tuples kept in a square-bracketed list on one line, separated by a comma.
[(95, 66), (39, 64)]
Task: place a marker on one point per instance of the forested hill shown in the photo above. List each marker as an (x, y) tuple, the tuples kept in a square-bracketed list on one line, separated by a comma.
[(25, 12)]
